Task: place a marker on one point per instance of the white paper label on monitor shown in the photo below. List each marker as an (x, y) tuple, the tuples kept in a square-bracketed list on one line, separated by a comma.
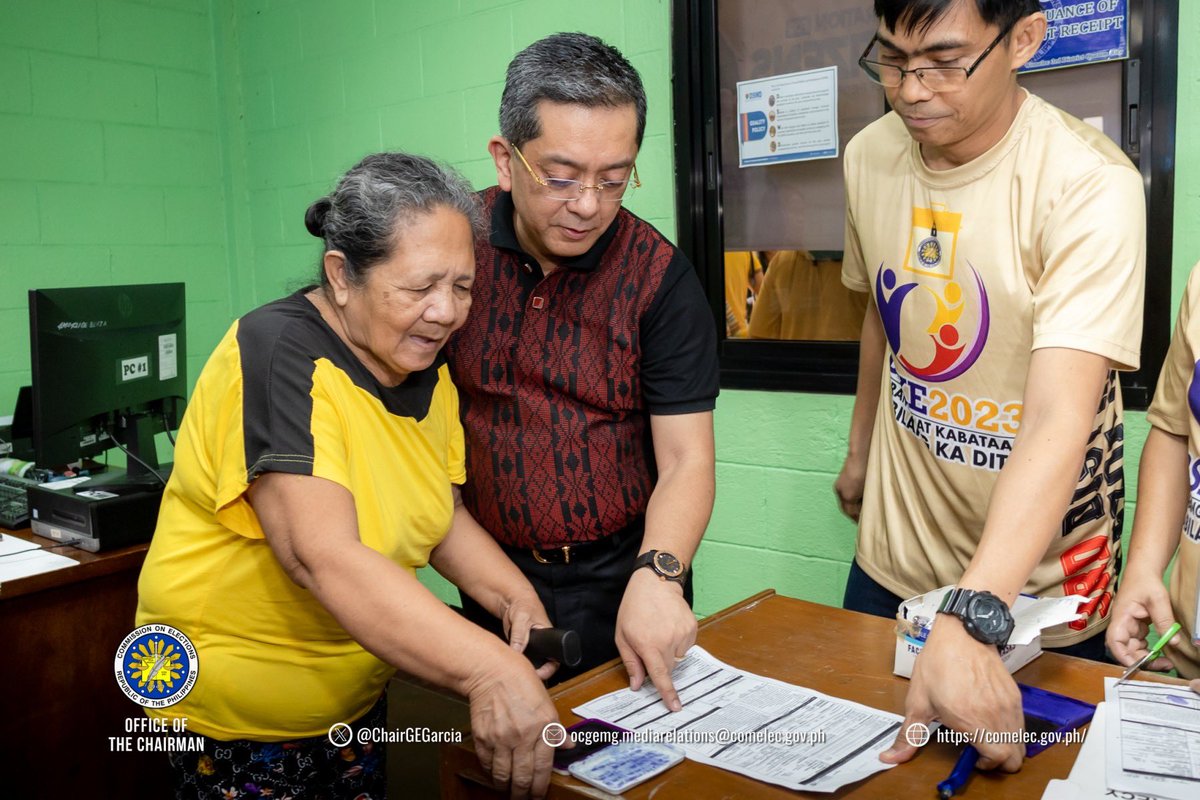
[(134, 368), (168, 357)]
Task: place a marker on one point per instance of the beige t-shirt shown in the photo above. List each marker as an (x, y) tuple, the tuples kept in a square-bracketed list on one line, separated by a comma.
[(1176, 409), (1039, 242)]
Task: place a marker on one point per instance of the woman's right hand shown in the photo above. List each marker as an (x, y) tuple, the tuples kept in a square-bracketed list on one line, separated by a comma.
[(1142, 599), (509, 710), (522, 616)]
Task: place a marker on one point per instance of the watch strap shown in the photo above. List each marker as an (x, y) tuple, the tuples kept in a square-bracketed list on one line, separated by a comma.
[(955, 602)]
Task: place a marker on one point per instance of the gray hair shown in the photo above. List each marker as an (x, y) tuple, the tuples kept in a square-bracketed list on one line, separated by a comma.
[(567, 68), (385, 192)]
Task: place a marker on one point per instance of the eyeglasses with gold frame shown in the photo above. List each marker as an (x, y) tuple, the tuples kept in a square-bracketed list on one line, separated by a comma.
[(566, 189)]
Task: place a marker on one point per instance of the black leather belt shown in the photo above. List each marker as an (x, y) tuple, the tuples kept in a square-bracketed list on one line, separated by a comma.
[(557, 555), (566, 553)]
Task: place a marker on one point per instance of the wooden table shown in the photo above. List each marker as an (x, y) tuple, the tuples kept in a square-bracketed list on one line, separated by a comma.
[(59, 633), (59, 701), (837, 652)]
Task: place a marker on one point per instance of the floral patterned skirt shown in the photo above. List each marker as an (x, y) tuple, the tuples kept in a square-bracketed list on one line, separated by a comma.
[(302, 769)]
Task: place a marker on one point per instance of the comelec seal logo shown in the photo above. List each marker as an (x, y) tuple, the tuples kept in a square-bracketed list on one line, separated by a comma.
[(156, 666), (929, 252)]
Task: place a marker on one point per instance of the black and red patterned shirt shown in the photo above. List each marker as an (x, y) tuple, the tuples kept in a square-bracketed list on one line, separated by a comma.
[(558, 376)]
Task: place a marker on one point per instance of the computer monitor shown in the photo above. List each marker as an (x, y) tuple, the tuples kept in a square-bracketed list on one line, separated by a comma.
[(108, 364), (22, 426)]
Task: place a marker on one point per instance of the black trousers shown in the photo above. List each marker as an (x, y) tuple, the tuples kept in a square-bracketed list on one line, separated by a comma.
[(582, 596)]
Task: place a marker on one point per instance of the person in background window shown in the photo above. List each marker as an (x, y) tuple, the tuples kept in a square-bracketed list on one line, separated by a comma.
[(1167, 525), (743, 277), (316, 469), (1002, 244), (804, 299), (588, 372)]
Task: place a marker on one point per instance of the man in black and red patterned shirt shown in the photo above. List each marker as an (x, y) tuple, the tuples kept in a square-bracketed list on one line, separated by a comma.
[(587, 370)]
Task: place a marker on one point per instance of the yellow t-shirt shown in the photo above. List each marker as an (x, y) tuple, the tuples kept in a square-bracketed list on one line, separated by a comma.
[(1039, 242), (283, 393), (1176, 409), (742, 270), (805, 299)]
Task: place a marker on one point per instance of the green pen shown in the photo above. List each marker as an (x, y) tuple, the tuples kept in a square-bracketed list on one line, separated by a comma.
[(1153, 654)]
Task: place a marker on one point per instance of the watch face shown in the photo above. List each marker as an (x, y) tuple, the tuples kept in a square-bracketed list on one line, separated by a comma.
[(667, 564), (989, 615)]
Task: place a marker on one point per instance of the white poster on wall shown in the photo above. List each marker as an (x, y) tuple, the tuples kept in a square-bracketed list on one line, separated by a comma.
[(789, 117)]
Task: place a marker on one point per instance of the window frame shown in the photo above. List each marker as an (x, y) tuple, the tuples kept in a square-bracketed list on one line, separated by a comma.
[(1148, 137)]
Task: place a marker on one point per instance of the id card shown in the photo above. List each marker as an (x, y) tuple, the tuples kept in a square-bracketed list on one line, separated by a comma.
[(591, 736), (622, 766)]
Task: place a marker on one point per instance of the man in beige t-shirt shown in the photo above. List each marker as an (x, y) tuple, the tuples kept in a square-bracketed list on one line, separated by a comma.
[(1001, 242)]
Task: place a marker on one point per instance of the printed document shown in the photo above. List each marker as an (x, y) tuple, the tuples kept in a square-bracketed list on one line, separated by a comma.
[(763, 728), (1152, 740), (1087, 779)]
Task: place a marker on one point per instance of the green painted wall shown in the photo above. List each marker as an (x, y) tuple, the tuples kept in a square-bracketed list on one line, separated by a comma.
[(111, 169), (1187, 153), (183, 139), (326, 83)]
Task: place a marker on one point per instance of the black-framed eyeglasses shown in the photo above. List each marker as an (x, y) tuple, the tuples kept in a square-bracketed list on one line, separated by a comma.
[(935, 79)]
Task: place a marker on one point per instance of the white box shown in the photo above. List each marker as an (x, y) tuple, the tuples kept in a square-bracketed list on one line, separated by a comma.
[(917, 614)]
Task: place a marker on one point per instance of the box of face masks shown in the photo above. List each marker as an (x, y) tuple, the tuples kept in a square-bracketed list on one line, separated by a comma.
[(1030, 614)]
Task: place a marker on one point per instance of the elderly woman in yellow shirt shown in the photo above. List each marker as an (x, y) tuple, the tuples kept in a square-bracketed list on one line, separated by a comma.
[(316, 469)]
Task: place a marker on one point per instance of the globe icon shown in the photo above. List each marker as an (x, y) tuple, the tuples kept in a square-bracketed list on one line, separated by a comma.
[(917, 734)]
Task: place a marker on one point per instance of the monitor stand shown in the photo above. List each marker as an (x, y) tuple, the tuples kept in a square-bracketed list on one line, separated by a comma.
[(112, 509), (136, 432)]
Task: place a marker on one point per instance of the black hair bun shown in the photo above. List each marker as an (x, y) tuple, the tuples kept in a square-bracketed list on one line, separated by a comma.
[(314, 218)]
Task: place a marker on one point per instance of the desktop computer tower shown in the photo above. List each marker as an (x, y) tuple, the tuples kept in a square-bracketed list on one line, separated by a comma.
[(102, 513)]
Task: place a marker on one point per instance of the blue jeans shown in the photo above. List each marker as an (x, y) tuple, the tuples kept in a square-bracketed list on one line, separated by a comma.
[(866, 595)]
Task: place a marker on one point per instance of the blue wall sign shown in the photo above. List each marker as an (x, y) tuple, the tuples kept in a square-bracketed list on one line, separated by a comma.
[(1082, 32)]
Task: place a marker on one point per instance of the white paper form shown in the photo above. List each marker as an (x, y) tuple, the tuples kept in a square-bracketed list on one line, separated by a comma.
[(32, 562), (1043, 613), (11, 545), (1087, 780), (759, 727), (1153, 739)]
